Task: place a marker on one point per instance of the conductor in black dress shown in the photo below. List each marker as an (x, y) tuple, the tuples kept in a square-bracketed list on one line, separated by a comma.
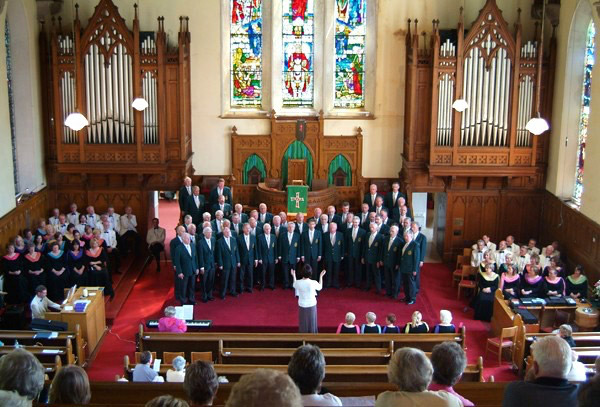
[(185, 260), (409, 267)]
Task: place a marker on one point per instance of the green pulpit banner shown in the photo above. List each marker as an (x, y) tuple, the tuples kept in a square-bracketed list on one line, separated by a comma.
[(297, 199)]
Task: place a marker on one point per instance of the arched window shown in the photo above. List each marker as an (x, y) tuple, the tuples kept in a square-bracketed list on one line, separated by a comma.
[(340, 172), (11, 103), (254, 170), (586, 95)]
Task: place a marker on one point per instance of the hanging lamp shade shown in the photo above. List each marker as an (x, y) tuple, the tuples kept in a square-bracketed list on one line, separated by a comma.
[(76, 121), (139, 104), (460, 105)]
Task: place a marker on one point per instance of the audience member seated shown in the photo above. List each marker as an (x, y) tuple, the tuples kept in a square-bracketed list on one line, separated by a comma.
[(566, 332), (143, 371), (532, 283), (411, 371), (390, 325), (70, 386), (348, 327), (370, 327), (548, 386), (200, 383), (177, 374), (23, 373), (445, 326), (169, 323), (483, 303), (264, 387), (577, 284), (166, 401), (510, 281), (589, 393), (578, 369), (156, 241), (12, 399), (449, 362), (41, 303), (307, 370), (417, 325)]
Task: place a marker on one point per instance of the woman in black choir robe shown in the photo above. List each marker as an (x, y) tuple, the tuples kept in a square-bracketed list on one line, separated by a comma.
[(532, 283), (76, 264), (40, 245), (68, 236), (553, 285), (20, 246), (15, 281), (28, 236), (95, 258), (484, 301), (41, 230), (35, 267), (577, 284), (58, 275), (487, 260), (510, 283), (87, 236), (555, 264)]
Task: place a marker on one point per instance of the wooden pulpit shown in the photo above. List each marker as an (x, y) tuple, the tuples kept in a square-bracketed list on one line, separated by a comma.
[(297, 170)]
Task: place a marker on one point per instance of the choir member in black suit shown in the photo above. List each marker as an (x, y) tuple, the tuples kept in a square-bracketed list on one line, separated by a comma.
[(421, 241), (371, 196), (15, 280), (205, 247), (256, 228), (311, 244), (392, 248), (364, 213), (184, 193), (263, 215), (267, 257), (577, 284), (332, 216), (371, 257), (248, 259), (378, 205), (371, 219), (409, 267), (219, 190), (195, 205), (510, 283), (346, 223), (277, 229), (553, 284), (58, 275), (228, 259), (391, 198), (532, 283), (333, 254), (76, 265), (301, 226), (289, 252), (236, 224), (354, 245), (484, 301), (381, 228), (185, 260), (239, 209), (34, 264), (222, 206), (96, 260)]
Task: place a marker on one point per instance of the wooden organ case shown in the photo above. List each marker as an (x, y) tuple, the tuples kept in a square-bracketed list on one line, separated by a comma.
[(123, 154), (491, 168)]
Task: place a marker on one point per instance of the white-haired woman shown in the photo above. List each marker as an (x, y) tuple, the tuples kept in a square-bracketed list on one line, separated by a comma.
[(169, 323), (411, 371), (370, 327), (348, 326), (417, 325), (177, 374), (445, 326)]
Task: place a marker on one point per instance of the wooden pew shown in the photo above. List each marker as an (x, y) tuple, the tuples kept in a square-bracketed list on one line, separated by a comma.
[(282, 356), (47, 354), (29, 338), (124, 394)]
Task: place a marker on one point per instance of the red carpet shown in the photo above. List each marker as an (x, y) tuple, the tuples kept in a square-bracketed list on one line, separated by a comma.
[(277, 311)]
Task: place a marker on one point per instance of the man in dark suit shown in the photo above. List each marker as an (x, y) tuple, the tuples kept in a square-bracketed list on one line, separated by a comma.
[(366, 225), (323, 225), (392, 248), (220, 189), (332, 216), (228, 259), (371, 257), (346, 223), (217, 223), (222, 206), (364, 213), (381, 228), (256, 228), (378, 205), (301, 226), (236, 224), (185, 261), (248, 259), (184, 193), (195, 205), (317, 212), (289, 252), (391, 198), (206, 257), (333, 254), (263, 215), (267, 257), (239, 209), (371, 196), (409, 267), (177, 240), (421, 241), (354, 246), (277, 229), (312, 246)]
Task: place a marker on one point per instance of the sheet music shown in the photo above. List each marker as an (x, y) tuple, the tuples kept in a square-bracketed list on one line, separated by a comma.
[(185, 312)]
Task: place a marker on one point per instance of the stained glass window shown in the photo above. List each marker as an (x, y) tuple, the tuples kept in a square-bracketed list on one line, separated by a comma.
[(298, 52), (586, 96), (11, 104), (246, 53), (350, 32)]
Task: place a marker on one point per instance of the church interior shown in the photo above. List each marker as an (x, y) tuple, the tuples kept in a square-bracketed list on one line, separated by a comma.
[(439, 144)]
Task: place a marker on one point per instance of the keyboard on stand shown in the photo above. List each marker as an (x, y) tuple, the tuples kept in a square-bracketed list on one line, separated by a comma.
[(193, 323)]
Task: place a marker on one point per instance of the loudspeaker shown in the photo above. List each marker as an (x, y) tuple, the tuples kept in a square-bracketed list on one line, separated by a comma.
[(38, 324)]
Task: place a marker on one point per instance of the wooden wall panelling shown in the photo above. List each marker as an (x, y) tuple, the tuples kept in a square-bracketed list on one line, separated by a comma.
[(26, 215)]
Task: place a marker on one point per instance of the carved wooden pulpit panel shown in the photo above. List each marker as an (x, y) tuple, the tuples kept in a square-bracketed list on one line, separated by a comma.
[(296, 170)]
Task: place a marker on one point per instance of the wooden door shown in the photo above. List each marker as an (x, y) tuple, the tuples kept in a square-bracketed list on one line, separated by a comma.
[(296, 170)]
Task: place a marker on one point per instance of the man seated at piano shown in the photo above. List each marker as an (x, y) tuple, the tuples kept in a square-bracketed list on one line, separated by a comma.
[(169, 323), (41, 303)]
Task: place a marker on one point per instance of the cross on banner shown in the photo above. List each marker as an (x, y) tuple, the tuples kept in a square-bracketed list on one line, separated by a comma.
[(297, 199)]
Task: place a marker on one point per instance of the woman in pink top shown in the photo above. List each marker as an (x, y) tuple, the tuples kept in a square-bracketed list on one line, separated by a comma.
[(171, 324)]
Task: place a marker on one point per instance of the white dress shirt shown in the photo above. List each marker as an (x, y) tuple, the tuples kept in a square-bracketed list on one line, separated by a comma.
[(39, 306), (371, 238), (73, 217), (128, 223)]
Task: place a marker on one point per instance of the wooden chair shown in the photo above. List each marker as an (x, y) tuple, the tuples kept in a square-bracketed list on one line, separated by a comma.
[(457, 273), (506, 340), (169, 356), (466, 280), (467, 252), (205, 356), (138, 354)]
